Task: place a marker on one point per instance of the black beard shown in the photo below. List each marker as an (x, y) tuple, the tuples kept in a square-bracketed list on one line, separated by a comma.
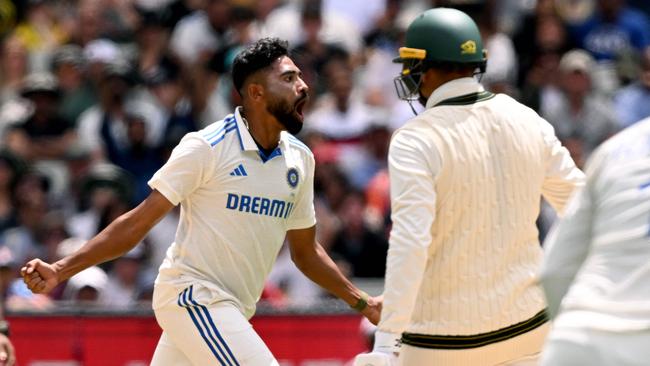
[(286, 115)]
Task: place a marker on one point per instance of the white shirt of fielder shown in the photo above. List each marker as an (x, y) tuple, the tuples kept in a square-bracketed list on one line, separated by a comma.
[(596, 269), (236, 207)]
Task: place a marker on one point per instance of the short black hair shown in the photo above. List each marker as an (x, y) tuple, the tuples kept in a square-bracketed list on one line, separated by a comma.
[(255, 57)]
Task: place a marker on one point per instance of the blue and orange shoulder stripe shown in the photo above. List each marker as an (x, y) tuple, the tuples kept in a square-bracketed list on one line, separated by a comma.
[(217, 132)]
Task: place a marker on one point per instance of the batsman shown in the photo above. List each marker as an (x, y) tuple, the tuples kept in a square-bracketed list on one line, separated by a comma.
[(466, 175)]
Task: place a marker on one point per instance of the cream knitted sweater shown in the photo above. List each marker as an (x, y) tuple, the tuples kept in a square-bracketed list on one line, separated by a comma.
[(466, 182)]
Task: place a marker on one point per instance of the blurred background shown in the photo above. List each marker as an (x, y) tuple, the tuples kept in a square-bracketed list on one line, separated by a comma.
[(94, 94)]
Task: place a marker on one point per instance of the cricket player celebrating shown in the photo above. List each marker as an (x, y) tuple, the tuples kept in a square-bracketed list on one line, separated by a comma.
[(244, 184), (596, 269), (466, 179)]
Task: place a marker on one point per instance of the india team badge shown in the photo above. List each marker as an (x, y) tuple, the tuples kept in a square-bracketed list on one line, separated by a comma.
[(292, 177)]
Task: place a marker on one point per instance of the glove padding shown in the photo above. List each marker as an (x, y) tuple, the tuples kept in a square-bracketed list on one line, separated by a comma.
[(384, 353), (375, 359)]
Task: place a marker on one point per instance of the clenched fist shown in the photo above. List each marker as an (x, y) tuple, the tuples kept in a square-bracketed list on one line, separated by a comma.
[(40, 277)]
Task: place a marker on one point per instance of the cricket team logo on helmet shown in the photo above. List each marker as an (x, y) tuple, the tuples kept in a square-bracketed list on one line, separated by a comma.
[(439, 35)]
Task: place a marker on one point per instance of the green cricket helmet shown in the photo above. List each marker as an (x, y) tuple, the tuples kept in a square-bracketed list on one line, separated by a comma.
[(437, 36)]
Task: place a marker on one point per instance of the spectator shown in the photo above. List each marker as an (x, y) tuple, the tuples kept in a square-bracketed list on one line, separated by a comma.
[(11, 169), (200, 34), (30, 197), (68, 65), (313, 53), (614, 28), (582, 112), (41, 32), (14, 67), (362, 163), (100, 54), (633, 102), (166, 91), (541, 33), (87, 287), (45, 134), (88, 23), (362, 247), (341, 115), (136, 157), (102, 186), (379, 91), (152, 37), (104, 123), (283, 21), (297, 289), (123, 285)]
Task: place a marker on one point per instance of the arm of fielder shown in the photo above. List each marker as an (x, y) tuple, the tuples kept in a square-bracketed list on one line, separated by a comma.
[(312, 260), (118, 238)]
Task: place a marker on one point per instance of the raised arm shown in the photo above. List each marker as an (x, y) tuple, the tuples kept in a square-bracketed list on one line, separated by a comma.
[(118, 238)]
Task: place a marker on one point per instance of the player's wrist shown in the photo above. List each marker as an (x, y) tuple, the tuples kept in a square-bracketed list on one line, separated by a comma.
[(362, 302), (4, 327), (386, 342), (58, 268)]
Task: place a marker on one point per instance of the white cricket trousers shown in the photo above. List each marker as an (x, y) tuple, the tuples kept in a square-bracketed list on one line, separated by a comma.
[(199, 332), (578, 347)]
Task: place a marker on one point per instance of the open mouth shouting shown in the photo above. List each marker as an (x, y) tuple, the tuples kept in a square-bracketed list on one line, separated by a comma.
[(299, 106)]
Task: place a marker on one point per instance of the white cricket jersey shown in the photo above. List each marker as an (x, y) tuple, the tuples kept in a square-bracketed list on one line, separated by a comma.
[(466, 182), (236, 207), (600, 251)]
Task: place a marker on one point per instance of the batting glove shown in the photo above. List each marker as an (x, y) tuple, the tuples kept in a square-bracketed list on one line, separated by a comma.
[(384, 353)]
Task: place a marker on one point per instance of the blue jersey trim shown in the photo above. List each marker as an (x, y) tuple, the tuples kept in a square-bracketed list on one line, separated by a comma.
[(182, 302), (241, 143), (217, 136), (297, 143), (226, 122), (274, 153), (223, 136)]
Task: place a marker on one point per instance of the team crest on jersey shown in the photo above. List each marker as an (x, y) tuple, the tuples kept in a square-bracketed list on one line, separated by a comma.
[(292, 177)]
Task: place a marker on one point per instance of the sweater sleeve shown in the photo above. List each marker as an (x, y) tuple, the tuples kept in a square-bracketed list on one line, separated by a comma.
[(567, 245), (413, 167), (562, 176)]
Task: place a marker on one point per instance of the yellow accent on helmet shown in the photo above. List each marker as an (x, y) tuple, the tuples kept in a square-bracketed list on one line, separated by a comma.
[(469, 47), (416, 53)]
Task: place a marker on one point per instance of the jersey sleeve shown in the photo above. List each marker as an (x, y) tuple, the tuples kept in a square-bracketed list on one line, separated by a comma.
[(191, 164), (413, 167), (304, 215), (567, 244), (562, 176)]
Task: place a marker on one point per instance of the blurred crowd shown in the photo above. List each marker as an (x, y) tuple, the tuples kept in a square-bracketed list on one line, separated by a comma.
[(94, 95)]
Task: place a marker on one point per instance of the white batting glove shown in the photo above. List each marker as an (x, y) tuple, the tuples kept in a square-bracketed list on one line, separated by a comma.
[(375, 359), (384, 353)]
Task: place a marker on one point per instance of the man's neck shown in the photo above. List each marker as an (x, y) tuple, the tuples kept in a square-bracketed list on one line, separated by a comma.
[(263, 128)]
